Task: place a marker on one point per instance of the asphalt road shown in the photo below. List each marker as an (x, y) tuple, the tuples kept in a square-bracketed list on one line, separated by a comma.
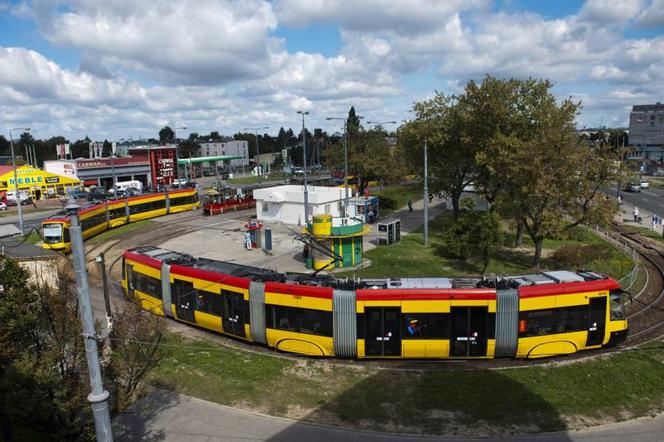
[(651, 200)]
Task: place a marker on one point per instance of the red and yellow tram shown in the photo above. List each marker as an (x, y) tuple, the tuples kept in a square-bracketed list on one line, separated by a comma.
[(227, 200), (98, 217), (530, 316)]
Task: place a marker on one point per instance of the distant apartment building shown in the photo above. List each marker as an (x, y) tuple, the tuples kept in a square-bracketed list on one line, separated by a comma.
[(646, 130), (228, 147)]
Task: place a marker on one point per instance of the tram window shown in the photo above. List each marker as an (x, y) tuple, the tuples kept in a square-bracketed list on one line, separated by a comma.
[(617, 305), (117, 213), (208, 302), (425, 326), (148, 285), (181, 201), (93, 221), (147, 207), (315, 322), (552, 321)]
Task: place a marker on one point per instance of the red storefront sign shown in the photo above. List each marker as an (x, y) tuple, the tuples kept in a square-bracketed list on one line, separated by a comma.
[(98, 163)]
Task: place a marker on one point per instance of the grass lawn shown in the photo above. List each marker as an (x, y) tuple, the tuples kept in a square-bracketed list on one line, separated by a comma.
[(443, 400), (398, 195), (410, 258), (105, 236), (33, 238)]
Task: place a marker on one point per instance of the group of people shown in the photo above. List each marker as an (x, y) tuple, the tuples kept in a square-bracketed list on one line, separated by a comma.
[(655, 220)]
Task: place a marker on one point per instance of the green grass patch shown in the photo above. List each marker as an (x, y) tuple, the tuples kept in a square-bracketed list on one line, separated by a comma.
[(33, 238), (627, 384), (105, 236), (396, 196)]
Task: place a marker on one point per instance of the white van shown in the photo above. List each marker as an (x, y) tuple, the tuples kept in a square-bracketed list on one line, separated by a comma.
[(136, 186), (25, 196)]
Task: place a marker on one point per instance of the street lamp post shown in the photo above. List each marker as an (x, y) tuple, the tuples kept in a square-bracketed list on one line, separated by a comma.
[(304, 150), (345, 120), (18, 196), (258, 165), (177, 156)]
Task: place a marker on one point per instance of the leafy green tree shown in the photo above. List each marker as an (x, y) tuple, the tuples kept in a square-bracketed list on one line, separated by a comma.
[(474, 234), (166, 135), (551, 179), (451, 155), (43, 374), (81, 148), (190, 146)]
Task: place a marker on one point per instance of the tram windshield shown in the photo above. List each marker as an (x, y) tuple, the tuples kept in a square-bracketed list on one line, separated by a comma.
[(617, 305), (52, 233)]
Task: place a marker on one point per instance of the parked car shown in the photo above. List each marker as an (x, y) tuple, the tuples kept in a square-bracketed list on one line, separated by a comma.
[(644, 184), (3, 206), (25, 198), (632, 187), (79, 193), (98, 195)]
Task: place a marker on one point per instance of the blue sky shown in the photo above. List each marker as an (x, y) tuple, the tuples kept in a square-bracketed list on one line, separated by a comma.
[(124, 69)]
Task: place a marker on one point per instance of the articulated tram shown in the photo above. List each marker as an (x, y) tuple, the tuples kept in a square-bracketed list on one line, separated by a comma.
[(98, 217), (529, 316)]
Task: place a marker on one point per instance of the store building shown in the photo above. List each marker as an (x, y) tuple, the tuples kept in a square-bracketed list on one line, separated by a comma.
[(40, 183), (100, 171)]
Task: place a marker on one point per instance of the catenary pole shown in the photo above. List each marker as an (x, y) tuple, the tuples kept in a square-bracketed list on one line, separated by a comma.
[(426, 197), (18, 195), (304, 153), (98, 397)]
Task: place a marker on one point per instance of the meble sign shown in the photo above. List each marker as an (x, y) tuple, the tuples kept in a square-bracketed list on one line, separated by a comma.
[(27, 180)]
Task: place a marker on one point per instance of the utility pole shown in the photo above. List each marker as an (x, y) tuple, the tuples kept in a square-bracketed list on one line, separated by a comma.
[(426, 197), (98, 397), (304, 150), (19, 208)]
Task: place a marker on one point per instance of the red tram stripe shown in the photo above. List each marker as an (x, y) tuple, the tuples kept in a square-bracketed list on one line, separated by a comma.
[(143, 259), (470, 294), (567, 288), (299, 290), (206, 275)]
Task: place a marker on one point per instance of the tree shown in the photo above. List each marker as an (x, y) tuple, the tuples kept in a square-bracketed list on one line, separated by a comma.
[(190, 146), (80, 148), (474, 234), (353, 122), (551, 179), (43, 373), (166, 135), (451, 155)]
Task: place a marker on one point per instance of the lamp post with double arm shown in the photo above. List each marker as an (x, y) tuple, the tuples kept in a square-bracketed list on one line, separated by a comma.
[(304, 150), (258, 165), (18, 196)]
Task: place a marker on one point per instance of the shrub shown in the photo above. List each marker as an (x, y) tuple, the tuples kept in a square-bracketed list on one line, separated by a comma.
[(580, 255)]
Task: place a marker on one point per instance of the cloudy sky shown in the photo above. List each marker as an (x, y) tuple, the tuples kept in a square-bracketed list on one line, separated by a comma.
[(125, 68)]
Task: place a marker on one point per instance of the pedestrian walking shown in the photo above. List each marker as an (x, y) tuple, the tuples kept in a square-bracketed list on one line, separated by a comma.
[(430, 197), (635, 212), (410, 206), (653, 221)]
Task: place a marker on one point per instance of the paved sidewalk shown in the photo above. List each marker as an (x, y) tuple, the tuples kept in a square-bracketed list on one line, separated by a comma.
[(626, 216), (172, 417)]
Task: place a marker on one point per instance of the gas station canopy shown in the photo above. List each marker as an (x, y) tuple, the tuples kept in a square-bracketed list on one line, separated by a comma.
[(208, 159)]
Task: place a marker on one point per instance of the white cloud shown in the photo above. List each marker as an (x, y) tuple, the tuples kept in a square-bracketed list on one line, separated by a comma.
[(610, 11), (652, 15)]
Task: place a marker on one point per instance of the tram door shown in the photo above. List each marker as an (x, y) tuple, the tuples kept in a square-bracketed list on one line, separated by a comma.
[(233, 313), (469, 331), (185, 300), (383, 334), (597, 321), (131, 282)]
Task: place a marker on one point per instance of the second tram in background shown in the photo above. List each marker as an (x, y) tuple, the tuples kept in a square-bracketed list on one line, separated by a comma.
[(528, 316), (97, 217)]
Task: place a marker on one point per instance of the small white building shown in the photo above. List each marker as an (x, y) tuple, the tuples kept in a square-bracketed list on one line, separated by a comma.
[(285, 204)]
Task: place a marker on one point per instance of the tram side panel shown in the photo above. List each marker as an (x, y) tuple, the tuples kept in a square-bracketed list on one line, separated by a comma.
[(299, 319), (564, 319)]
